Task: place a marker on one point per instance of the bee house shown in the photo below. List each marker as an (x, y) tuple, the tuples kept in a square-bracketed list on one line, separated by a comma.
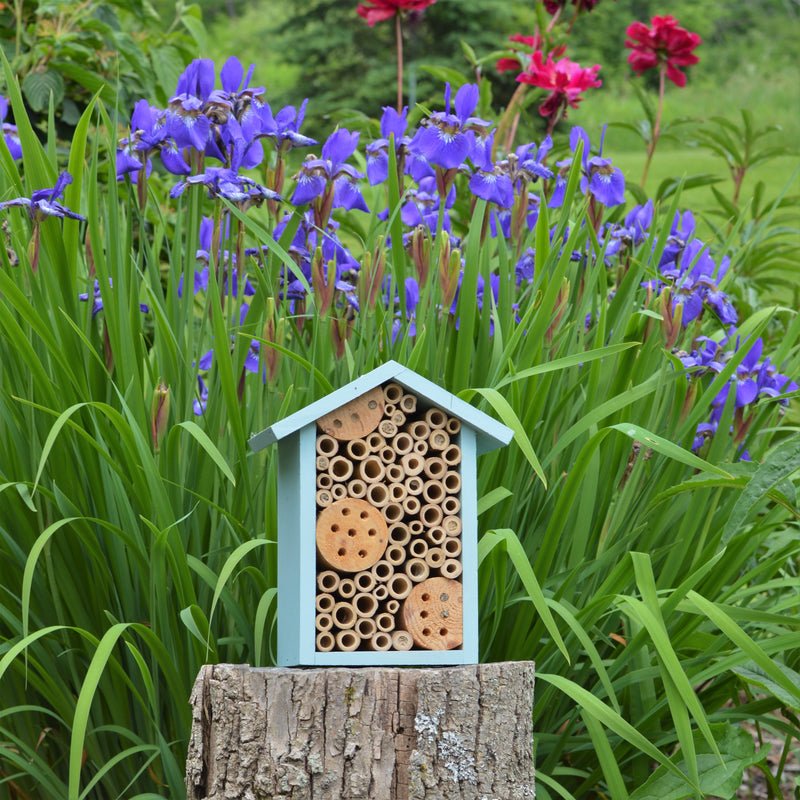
[(377, 523)]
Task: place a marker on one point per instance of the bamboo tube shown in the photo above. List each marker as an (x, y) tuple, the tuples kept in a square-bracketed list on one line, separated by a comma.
[(351, 535), (439, 439), (452, 482), (414, 485), (399, 534), (339, 491), (433, 614), (381, 642), (408, 403), (435, 557), (356, 488), (325, 603), (389, 409), (325, 642), (452, 547), (453, 426), (365, 605), (382, 570), (397, 491), (433, 491), (348, 641), (387, 429), (392, 513), (386, 455), (380, 592), (411, 505), (402, 640), (435, 468), (357, 449), (322, 463), (399, 419), (394, 473), (323, 622), (418, 429), (452, 455), (412, 464), (377, 495), (366, 627), (328, 581), (451, 568), (418, 548), (324, 481), (431, 515), (364, 581), (385, 622), (451, 506), (375, 441), (327, 445), (436, 418), (347, 588), (402, 443), (395, 555), (391, 606), (416, 527), (340, 469), (452, 526), (392, 392), (356, 419), (371, 469), (324, 498), (421, 447), (436, 535), (344, 615), (417, 569), (399, 586)]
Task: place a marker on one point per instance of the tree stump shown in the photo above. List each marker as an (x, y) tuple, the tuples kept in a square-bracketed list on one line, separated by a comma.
[(368, 733)]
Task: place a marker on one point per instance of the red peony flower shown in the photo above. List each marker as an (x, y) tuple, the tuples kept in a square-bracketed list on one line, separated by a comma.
[(379, 10), (565, 79), (665, 42)]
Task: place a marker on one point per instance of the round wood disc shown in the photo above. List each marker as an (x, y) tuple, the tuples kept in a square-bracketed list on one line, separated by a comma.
[(433, 614), (351, 535), (356, 419)]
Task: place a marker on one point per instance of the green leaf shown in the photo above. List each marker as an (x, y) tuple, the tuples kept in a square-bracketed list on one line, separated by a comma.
[(38, 86), (717, 779), (205, 442), (781, 463), (488, 500), (756, 676), (668, 448)]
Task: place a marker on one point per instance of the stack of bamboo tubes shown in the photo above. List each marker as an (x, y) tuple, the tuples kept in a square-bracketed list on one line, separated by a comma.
[(388, 525)]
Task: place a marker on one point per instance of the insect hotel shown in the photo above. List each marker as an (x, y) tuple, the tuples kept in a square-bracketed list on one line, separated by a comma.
[(377, 523)]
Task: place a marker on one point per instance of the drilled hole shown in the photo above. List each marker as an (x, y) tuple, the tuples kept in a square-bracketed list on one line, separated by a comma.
[(351, 533), (442, 631), (372, 404), (341, 551), (337, 423), (425, 597), (345, 512), (362, 553), (426, 631), (334, 528), (423, 614), (372, 532)]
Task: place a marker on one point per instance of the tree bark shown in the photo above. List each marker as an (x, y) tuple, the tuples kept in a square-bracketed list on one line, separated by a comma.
[(369, 733)]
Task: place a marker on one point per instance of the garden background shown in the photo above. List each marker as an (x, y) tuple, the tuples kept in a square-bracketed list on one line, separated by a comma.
[(639, 538)]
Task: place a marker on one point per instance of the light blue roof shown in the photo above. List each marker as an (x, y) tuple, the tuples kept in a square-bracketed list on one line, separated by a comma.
[(489, 433)]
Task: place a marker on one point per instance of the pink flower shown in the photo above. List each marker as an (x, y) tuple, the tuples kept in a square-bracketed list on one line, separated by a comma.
[(510, 63), (566, 80), (665, 42), (379, 10)]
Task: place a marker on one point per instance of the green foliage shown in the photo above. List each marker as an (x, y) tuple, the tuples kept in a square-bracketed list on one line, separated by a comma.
[(66, 53)]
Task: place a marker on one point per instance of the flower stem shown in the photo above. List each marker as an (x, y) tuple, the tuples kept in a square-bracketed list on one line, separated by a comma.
[(651, 147), (399, 35)]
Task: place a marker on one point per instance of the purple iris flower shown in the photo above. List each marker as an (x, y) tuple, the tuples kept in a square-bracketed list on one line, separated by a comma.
[(633, 231), (10, 133), (494, 187), (283, 128), (392, 123), (603, 181), (317, 175), (422, 207), (680, 235), (44, 203), (446, 139), (97, 300), (200, 402)]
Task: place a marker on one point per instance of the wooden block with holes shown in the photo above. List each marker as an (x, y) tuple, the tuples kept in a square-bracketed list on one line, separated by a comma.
[(377, 513)]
